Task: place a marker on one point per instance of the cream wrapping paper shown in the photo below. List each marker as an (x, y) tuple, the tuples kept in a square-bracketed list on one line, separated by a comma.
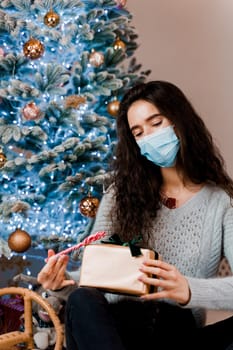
[(112, 268)]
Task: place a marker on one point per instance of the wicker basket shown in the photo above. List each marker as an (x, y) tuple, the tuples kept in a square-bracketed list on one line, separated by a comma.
[(8, 340)]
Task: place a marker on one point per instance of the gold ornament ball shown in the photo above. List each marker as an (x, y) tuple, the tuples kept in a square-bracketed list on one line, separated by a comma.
[(88, 206), (113, 107), (96, 59), (31, 112), (33, 49), (3, 159), (119, 45), (51, 19), (19, 241)]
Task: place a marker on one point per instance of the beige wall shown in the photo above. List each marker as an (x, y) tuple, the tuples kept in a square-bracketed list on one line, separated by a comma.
[(190, 43)]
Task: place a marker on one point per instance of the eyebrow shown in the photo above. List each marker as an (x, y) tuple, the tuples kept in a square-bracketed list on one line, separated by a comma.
[(147, 120)]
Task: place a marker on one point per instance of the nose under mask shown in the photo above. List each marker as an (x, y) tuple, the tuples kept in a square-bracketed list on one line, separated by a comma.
[(160, 147)]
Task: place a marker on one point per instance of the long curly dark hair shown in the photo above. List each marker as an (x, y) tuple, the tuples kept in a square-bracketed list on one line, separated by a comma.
[(137, 181)]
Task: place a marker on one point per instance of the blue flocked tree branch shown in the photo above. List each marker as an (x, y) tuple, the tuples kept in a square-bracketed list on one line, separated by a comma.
[(64, 65)]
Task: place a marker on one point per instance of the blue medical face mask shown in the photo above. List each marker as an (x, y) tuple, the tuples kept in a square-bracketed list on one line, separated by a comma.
[(160, 147)]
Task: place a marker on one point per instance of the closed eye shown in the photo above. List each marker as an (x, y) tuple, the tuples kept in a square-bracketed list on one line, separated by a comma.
[(153, 121), (157, 123), (137, 134)]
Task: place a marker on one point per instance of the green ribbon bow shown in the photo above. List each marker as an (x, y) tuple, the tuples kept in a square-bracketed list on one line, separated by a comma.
[(134, 249)]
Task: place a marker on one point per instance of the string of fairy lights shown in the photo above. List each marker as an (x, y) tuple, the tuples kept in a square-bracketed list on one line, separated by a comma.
[(59, 98)]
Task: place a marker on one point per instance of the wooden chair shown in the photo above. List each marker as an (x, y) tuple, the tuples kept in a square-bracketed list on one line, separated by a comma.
[(13, 338)]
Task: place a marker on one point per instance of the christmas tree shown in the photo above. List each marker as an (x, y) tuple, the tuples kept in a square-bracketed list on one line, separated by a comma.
[(64, 66)]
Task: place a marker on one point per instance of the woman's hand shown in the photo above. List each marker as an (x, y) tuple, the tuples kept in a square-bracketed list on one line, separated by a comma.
[(171, 283), (52, 275)]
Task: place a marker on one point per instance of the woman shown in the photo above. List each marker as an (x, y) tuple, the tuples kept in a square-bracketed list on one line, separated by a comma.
[(170, 186)]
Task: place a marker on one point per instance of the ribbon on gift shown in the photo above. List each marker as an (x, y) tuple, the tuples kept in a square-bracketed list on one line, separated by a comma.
[(134, 249)]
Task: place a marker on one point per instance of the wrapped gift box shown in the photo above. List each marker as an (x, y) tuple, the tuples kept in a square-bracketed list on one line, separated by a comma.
[(112, 268)]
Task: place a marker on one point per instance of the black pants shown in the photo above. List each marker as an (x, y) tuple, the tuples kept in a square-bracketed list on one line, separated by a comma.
[(94, 324), (218, 336)]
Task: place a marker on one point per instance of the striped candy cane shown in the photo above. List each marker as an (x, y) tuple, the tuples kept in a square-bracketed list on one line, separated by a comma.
[(94, 237)]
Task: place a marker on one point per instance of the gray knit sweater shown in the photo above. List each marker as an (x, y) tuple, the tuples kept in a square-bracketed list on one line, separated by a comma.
[(194, 238)]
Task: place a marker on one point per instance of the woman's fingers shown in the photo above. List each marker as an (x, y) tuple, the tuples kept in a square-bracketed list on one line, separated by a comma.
[(51, 252), (158, 295), (158, 263), (52, 275), (167, 279), (158, 269)]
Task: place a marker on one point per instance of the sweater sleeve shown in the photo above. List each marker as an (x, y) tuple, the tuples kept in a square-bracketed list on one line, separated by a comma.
[(216, 293), (103, 220), (212, 293)]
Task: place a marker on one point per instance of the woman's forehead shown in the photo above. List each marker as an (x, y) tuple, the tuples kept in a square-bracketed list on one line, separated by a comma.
[(141, 110)]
